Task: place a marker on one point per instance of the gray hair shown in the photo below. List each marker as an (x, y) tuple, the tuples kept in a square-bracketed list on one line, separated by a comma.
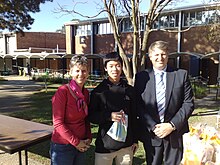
[(78, 60), (162, 45)]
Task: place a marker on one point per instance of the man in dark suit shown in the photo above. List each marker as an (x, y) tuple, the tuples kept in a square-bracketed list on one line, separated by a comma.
[(165, 102)]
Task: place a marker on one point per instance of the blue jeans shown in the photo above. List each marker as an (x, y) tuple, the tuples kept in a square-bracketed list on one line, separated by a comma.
[(66, 154)]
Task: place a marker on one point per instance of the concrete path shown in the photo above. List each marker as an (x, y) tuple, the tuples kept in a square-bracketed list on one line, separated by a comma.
[(212, 107), (14, 95)]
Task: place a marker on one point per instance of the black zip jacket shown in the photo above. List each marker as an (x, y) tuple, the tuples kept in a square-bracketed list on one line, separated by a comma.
[(105, 99)]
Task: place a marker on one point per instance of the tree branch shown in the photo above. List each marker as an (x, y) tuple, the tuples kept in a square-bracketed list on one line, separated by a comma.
[(73, 11)]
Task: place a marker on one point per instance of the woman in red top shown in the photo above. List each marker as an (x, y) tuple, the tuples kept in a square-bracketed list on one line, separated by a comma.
[(72, 135)]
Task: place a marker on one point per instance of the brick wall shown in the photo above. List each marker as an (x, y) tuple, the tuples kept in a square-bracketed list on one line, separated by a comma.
[(194, 40), (83, 44), (41, 40)]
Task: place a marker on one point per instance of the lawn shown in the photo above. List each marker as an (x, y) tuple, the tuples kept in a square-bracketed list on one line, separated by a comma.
[(41, 112)]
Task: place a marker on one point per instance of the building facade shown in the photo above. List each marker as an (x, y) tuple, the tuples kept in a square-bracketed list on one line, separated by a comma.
[(187, 30), (37, 49)]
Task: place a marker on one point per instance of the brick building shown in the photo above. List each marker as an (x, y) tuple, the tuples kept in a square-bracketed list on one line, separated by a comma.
[(191, 47), (38, 49)]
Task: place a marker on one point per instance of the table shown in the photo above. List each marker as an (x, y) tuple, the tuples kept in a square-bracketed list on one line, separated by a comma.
[(19, 134)]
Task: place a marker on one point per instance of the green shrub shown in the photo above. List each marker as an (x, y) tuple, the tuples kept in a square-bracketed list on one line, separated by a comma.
[(52, 80), (199, 91)]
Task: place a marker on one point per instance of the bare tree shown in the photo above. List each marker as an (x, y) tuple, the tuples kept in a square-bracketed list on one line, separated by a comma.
[(139, 42), (114, 9)]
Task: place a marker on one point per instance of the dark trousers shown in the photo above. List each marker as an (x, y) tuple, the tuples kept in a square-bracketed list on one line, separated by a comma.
[(164, 154)]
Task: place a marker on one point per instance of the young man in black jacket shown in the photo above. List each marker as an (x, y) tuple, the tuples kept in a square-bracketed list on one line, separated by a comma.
[(113, 102)]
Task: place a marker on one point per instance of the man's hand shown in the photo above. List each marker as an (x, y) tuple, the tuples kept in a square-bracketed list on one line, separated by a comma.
[(163, 129)]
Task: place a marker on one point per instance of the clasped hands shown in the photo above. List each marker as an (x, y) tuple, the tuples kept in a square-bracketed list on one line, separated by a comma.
[(162, 130), (83, 145)]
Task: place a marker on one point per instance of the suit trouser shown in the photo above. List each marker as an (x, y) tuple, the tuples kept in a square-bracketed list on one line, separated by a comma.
[(164, 154), (123, 156)]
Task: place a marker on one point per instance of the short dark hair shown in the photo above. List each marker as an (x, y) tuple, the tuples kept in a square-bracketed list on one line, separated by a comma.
[(113, 56)]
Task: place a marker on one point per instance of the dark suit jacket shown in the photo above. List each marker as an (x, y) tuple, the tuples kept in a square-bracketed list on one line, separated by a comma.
[(179, 105)]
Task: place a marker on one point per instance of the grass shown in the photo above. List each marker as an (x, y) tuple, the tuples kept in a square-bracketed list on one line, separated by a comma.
[(40, 111), (196, 118), (204, 116)]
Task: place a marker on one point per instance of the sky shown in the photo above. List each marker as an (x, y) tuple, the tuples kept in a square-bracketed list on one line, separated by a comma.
[(47, 20)]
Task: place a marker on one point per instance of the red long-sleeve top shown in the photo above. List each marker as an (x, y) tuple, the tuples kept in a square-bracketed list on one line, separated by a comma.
[(70, 125)]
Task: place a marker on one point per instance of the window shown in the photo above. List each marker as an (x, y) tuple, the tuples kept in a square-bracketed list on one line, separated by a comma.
[(164, 22), (185, 19), (177, 20), (172, 19), (127, 25), (214, 16), (103, 28), (201, 17), (83, 30), (100, 29), (142, 23), (192, 18), (167, 21), (155, 24), (108, 28)]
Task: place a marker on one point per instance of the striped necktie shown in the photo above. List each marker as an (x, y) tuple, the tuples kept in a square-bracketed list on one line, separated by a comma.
[(160, 95)]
